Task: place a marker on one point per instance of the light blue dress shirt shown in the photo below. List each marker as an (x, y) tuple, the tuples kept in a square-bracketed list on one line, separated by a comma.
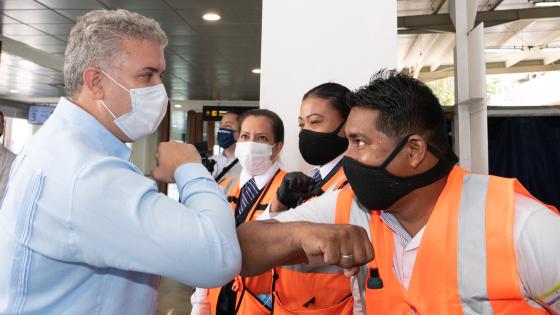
[(83, 231)]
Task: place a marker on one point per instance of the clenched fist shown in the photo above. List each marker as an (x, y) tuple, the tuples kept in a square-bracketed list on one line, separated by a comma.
[(171, 155), (344, 245)]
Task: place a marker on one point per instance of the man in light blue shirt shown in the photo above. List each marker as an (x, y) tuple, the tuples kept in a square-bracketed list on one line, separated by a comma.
[(82, 231)]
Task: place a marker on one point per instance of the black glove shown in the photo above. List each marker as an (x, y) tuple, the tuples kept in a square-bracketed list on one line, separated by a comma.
[(294, 188)]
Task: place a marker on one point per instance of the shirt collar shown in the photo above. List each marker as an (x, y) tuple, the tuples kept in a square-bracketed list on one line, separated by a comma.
[(327, 168), (405, 239), (92, 128), (260, 180)]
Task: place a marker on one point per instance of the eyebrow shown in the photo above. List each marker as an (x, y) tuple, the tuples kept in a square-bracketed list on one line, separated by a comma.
[(152, 69), (257, 134), (314, 114)]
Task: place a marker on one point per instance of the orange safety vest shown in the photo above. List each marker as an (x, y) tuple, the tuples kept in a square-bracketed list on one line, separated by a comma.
[(321, 290), (227, 184), (466, 261), (248, 288)]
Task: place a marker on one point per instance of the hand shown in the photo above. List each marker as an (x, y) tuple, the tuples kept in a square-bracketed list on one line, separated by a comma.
[(171, 155), (294, 187), (344, 245)]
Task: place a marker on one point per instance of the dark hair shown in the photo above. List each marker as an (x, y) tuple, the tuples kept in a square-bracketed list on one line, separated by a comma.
[(333, 92), (277, 124), (406, 106)]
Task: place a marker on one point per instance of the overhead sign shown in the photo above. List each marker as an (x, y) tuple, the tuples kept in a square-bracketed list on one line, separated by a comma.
[(215, 113), (38, 114)]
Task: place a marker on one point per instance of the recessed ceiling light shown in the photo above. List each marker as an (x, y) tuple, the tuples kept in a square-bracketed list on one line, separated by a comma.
[(14, 91), (257, 71), (177, 105), (210, 16)]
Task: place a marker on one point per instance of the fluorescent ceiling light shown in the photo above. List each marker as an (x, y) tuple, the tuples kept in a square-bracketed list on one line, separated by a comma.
[(14, 91), (177, 105), (256, 71), (210, 16), (547, 3), (550, 48), (502, 49)]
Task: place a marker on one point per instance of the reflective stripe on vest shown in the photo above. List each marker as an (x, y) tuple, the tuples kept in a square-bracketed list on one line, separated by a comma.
[(466, 262), (337, 181), (471, 246)]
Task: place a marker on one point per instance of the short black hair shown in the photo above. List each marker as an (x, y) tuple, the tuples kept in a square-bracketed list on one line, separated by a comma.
[(333, 92), (277, 124), (406, 106)]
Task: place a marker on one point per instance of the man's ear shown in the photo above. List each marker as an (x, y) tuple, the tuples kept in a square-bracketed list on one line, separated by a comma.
[(417, 149), (93, 85)]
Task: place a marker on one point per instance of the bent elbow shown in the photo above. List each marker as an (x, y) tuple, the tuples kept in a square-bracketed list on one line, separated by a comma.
[(224, 271)]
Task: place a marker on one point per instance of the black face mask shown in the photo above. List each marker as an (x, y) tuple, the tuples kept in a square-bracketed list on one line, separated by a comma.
[(319, 148), (377, 189)]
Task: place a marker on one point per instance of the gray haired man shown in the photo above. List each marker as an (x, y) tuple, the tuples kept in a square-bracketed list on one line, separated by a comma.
[(82, 231)]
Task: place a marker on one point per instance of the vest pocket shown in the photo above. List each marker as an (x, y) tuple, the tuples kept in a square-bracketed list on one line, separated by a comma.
[(250, 304), (346, 306)]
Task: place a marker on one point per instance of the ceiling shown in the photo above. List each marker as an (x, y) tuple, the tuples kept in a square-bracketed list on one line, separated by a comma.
[(213, 60), (432, 54), (205, 60)]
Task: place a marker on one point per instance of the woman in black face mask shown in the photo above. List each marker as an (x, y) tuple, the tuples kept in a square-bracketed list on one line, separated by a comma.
[(323, 112), (313, 289), (322, 143)]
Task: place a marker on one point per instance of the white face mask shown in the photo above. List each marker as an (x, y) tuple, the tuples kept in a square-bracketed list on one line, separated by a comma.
[(254, 157), (149, 106)]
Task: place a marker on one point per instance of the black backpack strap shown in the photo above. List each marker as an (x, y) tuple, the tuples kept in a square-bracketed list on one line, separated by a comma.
[(226, 169)]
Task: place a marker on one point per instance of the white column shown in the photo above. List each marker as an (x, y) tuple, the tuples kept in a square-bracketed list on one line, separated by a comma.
[(144, 153), (306, 43), (471, 132)]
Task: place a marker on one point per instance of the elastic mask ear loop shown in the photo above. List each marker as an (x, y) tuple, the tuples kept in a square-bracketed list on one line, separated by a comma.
[(396, 151), (107, 108), (117, 83), (337, 130)]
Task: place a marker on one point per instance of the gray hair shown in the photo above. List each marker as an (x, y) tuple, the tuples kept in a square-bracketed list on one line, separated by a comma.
[(95, 41)]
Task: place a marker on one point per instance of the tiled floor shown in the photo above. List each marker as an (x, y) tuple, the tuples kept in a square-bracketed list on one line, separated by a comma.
[(173, 298)]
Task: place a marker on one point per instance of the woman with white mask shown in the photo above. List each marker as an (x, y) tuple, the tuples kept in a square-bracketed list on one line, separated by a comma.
[(260, 141)]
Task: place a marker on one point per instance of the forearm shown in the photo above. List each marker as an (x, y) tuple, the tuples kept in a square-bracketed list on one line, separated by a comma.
[(266, 244)]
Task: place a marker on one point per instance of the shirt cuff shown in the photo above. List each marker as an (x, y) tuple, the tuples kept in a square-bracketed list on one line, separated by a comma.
[(190, 171)]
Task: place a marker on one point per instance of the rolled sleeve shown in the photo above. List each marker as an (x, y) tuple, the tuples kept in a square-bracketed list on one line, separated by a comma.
[(537, 252), (121, 221)]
